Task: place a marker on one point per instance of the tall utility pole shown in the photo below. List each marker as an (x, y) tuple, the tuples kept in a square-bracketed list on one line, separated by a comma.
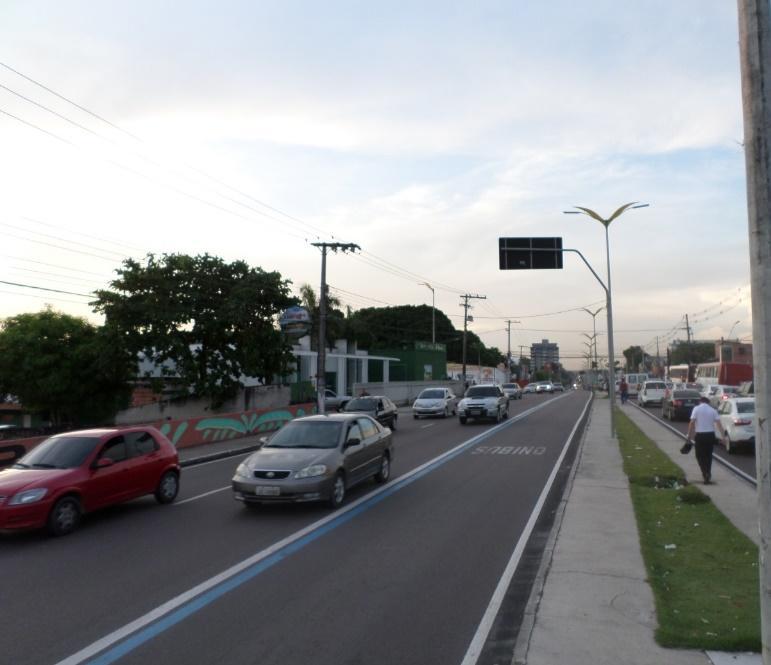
[(508, 353), (755, 58), (321, 365), (466, 297)]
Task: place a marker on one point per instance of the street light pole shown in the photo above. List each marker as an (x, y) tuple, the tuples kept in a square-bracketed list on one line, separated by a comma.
[(433, 311), (594, 330), (609, 299)]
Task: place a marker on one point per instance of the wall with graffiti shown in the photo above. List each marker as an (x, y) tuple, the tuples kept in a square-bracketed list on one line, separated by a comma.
[(212, 429), (192, 431)]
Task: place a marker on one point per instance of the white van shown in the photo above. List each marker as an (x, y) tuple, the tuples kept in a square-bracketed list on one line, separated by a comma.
[(634, 381), (652, 392)]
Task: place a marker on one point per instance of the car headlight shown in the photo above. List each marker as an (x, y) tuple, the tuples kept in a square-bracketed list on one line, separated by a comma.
[(28, 496), (243, 471), (311, 471)]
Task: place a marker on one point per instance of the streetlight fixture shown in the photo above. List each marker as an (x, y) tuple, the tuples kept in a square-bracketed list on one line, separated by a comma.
[(736, 323), (579, 210), (594, 329), (433, 311)]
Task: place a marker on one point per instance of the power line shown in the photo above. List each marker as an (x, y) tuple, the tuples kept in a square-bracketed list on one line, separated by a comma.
[(41, 288)]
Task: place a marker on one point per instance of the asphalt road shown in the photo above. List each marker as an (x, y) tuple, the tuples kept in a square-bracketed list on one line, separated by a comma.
[(742, 459), (402, 573)]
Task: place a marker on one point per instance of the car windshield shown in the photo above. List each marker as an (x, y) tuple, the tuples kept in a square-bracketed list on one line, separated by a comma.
[(745, 407), (308, 434), (510, 385), (362, 404), (431, 394), (59, 452), (482, 391)]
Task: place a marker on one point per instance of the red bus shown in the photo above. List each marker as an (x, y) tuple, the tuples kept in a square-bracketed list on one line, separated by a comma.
[(724, 374)]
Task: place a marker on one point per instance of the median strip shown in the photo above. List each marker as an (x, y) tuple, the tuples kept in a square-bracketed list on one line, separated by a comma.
[(703, 571)]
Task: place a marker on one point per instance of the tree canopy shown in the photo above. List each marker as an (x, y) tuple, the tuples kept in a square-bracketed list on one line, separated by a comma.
[(202, 320), (64, 366), (695, 352)]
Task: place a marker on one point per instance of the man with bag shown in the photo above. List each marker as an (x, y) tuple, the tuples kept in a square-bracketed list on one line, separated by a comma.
[(701, 429)]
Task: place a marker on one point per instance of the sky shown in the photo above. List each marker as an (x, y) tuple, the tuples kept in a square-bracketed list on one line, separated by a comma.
[(421, 131)]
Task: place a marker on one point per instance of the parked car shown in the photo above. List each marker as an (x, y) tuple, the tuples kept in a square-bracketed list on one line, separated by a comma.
[(483, 402), (679, 404), (512, 390), (317, 458), (737, 415), (722, 393), (70, 474), (379, 407), (334, 401), (435, 402), (651, 392)]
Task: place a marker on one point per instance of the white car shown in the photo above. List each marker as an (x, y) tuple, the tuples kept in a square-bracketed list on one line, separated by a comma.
[(544, 387), (652, 392), (530, 388), (718, 394), (435, 402), (512, 390), (737, 416), (486, 401)]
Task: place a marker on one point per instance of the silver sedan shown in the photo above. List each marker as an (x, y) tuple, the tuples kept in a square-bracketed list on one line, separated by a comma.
[(316, 459)]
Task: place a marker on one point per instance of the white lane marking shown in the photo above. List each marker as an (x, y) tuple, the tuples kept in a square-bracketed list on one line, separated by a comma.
[(230, 459), (201, 496), (427, 426), (170, 606), (480, 637)]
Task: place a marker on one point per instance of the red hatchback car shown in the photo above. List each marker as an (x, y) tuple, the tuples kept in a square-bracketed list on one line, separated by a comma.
[(74, 473)]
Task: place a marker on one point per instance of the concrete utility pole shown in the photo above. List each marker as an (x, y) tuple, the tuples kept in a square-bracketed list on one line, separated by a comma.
[(321, 382), (508, 351), (466, 307), (755, 57)]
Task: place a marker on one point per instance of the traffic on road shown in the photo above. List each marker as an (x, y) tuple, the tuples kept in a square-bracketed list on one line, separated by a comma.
[(419, 560)]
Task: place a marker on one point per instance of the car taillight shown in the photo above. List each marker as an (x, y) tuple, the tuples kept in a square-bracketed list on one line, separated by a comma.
[(724, 397), (739, 421), (678, 402)]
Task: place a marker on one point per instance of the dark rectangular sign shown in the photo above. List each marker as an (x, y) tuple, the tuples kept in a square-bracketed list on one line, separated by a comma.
[(529, 253)]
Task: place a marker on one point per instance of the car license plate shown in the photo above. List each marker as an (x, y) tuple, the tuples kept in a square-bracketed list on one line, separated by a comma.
[(267, 491), (475, 412)]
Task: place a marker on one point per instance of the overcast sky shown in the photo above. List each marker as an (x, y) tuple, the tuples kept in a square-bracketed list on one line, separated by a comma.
[(422, 131)]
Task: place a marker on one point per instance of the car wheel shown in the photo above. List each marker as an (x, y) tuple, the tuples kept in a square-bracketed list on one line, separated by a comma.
[(446, 412), (384, 473), (393, 423), (729, 448), (506, 412), (498, 415), (337, 496), (415, 416), (64, 516), (168, 487), (462, 420)]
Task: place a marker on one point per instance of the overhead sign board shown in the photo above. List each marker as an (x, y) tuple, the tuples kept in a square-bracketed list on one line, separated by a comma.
[(529, 253), (295, 321)]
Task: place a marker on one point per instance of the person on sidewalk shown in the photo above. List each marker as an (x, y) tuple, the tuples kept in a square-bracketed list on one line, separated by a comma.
[(623, 388), (701, 429)]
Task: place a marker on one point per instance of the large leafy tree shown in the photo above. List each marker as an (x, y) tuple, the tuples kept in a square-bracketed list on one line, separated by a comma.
[(65, 367), (695, 352), (202, 320)]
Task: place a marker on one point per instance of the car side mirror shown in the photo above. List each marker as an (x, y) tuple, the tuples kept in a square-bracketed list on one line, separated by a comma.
[(262, 440), (353, 441), (103, 463)]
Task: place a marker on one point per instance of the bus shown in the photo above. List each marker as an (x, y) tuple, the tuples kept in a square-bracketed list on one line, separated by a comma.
[(679, 373), (724, 374)]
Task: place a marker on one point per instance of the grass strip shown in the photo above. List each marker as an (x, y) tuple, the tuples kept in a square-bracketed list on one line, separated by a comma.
[(702, 569)]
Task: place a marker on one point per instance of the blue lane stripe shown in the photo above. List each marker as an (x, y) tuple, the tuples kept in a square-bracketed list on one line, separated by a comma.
[(173, 618)]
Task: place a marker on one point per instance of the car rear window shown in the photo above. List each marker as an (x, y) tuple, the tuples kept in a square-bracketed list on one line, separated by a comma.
[(730, 389), (361, 404), (686, 394), (510, 385), (482, 391), (745, 407), (431, 394), (656, 385)]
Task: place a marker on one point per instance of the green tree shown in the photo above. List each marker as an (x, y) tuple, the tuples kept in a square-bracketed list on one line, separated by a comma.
[(696, 352), (65, 367), (634, 357), (336, 325), (203, 321)]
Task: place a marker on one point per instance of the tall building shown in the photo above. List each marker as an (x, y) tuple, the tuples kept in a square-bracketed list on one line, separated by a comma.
[(544, 352)]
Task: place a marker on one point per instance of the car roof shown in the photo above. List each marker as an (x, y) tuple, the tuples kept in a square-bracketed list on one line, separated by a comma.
[(342, 417)]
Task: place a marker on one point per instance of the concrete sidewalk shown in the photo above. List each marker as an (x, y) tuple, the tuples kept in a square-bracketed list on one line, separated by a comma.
[(594, 605)]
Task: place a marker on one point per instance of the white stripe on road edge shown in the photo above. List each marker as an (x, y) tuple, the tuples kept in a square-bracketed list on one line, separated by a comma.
[(201, 496), (427, 426), (164, 611), (480, 637)]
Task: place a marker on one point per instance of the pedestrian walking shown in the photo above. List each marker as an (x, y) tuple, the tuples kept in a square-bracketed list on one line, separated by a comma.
[(623, 388), (701, 429)]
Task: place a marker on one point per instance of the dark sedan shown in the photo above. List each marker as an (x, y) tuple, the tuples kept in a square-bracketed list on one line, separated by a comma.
[(679, 403), (379, 407)]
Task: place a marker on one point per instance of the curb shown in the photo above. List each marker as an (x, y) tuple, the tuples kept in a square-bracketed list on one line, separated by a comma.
[(213, 457), (522, 643)]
